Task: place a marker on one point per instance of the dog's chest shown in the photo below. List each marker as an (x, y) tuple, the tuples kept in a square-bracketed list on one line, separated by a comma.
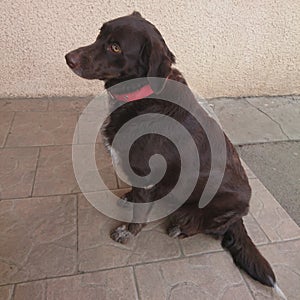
[(106, 140), (114, 155)]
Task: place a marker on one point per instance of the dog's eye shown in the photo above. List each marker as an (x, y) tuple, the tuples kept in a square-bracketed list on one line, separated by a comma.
[(114, 47)]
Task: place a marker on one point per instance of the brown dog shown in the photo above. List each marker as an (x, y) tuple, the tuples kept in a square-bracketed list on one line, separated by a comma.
[(131, 47)]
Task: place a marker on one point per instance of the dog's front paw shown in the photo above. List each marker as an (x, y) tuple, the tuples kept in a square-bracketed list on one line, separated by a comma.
[(174, 231), (121, 234)]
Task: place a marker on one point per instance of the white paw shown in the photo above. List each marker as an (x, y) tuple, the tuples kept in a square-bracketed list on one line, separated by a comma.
[(174, 231), (121, 234)]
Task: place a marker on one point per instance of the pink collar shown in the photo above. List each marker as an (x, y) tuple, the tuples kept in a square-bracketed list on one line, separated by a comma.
[(141, 93)]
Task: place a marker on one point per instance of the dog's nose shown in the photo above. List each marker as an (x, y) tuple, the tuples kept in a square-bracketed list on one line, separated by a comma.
[(72, 60)]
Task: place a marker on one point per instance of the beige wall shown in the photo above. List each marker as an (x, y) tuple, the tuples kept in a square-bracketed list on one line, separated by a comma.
[(224, 48)]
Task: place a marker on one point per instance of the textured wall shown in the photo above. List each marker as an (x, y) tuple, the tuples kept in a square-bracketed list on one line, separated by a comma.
[(224, 48)]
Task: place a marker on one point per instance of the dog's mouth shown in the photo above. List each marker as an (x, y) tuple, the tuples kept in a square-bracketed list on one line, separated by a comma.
[(77, 72), (104, 76), (109, 76), (74, 64)]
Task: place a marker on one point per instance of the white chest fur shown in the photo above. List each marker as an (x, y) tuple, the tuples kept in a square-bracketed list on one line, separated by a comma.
[(114, 156)]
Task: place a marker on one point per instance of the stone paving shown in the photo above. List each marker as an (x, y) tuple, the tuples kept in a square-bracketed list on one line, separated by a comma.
[(261, 119), (55, 245)]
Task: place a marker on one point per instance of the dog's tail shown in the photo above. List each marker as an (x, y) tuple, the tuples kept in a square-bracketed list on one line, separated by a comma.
[(247, 257)]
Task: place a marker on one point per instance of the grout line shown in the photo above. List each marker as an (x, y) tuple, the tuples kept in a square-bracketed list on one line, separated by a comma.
[(138, 264), (250, 97), (50, 195), (116, 178), (12, 296), (77, 132), (180, 248), (9, 130), (48, 105), (77, 235), (61, 97), (246, 283), (35, 172), (260, 227), (50, 145), (203, 253), (39, 146), (136, 283), (46, 290), (66, 194), (92, 96), (279, 242), (65, 275), (266, 142), (37, 197), (84, 144), (18, 147)]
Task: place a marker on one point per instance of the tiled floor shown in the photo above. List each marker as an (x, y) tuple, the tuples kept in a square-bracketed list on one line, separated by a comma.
[(55, 245)]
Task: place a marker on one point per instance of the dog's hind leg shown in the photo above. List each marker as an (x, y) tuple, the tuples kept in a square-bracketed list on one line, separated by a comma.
[(213, 219), (186, 221)]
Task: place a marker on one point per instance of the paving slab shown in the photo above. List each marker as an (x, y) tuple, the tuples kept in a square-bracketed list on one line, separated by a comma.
[(210, 276), (42, 129), (91, 118), (106, 285), (277, 166), (244, 123), (89, 171), (38, 238), (55, 174), (285, 111), (17, 170)]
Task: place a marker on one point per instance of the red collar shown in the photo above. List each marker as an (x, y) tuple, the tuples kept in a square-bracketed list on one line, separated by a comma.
[(141, 93)]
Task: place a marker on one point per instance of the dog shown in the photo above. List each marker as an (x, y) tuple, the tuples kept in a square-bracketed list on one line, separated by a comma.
[(131, 47)]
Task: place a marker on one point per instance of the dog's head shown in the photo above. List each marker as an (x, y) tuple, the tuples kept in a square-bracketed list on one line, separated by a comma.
[(127, 47)]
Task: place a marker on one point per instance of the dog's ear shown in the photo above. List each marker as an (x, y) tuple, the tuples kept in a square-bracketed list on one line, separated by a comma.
[(136, 14), (159, 64)]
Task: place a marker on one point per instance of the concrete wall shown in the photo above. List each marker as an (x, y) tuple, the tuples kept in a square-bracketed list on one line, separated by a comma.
[(224, 48)]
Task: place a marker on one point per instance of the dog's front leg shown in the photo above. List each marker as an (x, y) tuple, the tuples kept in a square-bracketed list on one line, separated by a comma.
[(125, 232)]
